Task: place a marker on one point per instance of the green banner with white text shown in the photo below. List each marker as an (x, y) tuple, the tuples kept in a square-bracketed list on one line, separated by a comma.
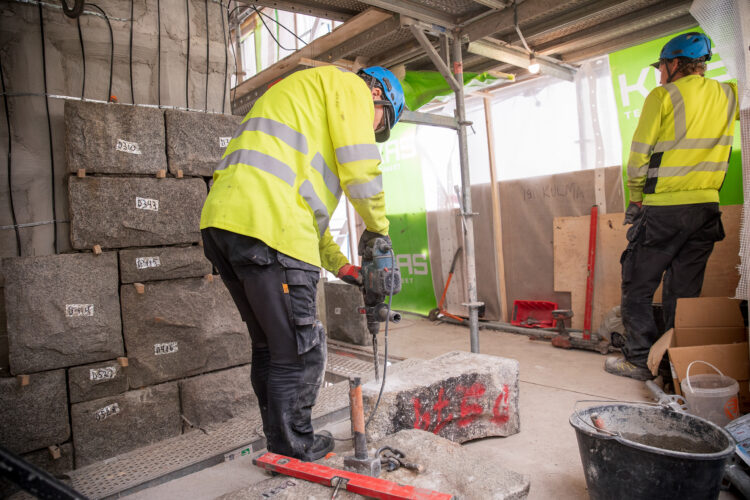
[(633, 79)]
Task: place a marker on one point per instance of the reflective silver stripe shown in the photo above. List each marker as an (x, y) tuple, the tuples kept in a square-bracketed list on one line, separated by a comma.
[(732, 102), (308, 193), (260, 161), (640, 147), (705, 166), (724, 140), (678, 106), (330, 179), (357, 152), (367, 189), (637, 171), (276, 129)]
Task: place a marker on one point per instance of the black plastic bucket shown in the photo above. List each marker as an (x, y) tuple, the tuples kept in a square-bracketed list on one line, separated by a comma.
[(656, 453)]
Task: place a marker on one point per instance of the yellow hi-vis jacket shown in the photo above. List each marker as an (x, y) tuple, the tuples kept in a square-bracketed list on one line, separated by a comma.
[(680, 150), (282, 174)]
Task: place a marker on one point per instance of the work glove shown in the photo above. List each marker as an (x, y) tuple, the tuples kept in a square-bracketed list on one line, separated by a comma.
[(350, 274), (632, 213), (367, 239)]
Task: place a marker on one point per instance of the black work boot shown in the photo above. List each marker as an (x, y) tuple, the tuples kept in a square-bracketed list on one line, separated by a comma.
[(322, 446), (618, 365)]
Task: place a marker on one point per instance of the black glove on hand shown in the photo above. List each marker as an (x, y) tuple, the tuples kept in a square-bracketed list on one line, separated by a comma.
[(632, 213), (366, 240)]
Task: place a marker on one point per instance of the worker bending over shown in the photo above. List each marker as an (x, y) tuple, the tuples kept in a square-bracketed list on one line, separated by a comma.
[(265, 227), (678, 159)]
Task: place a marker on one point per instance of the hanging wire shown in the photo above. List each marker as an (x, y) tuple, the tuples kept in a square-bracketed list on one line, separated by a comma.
[(10, 164), (224, 35), (49, 129), (207, 53), (269, 29), (187, 64), (83, 58), (234, 55), (111, 52), (132, 91), (158, 52), (260, 13), (518, 28)]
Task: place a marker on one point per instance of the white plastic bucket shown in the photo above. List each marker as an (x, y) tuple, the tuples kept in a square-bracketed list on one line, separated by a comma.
[(712, 396)]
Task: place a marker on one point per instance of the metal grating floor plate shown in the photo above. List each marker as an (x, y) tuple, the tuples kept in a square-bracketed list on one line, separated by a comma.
[(145, 465)]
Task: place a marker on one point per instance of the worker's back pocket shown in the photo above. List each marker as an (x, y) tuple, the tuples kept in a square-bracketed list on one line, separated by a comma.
[(300, 297)]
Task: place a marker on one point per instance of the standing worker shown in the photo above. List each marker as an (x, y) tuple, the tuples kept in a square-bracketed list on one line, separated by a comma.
[(265, 228), (678, 160)]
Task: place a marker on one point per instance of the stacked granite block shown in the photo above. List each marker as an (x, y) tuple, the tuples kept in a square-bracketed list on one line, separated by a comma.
[(110, 349)]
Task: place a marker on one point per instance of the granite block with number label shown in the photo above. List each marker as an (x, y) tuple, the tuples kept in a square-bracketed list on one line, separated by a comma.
[(118, 212), (166, 263), (343, 319), (179, 328), (63, 310), (96, 381), (114, 138), (110, 426), (35, 415), (196, 141), (218, 396)]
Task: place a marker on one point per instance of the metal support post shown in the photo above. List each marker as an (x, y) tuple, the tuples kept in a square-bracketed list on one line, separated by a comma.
[(471, 274)]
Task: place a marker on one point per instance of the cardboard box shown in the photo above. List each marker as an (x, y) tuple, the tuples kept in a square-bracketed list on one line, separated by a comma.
[(709, 329)]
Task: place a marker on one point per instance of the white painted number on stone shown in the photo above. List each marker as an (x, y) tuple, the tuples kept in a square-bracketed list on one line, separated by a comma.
[(165, 348), (128, 147), (224, 141), (101, 374), (107, 411), (146, 204), (337, 310), (76, 310), (146, 262)]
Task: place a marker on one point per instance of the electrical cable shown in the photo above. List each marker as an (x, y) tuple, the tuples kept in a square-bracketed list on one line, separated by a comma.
[(207, 53), (269, 30), (111, 52), (385, 360), (224, 35), (280, 24), (132, 92), (518, 28), (49, 130), (72, 12), (158, 52), (234, 57), (10, 164), (187, 64), (83, 58)]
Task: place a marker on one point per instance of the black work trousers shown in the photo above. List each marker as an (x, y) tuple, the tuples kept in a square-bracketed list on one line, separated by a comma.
[(671, 241), (275, 295)]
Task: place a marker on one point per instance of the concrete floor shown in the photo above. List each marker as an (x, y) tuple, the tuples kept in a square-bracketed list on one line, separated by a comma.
[(546, 451)]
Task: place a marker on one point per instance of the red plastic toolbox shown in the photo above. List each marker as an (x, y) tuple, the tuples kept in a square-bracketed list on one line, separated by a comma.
[(533, 313)]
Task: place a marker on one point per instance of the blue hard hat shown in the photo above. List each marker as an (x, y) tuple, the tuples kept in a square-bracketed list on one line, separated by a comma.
[(691, 45), (393, 93)]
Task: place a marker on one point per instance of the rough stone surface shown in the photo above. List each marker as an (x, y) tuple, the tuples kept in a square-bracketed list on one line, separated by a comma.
[(117, 212), (43, 459), (96, 381), (34, 416), (4, 359), (217, 397), (62, 310), (460, 396), (179, 328), (343, 319), (196, 141), (166, 263), (111, 426), (113, 138), (449, 468)]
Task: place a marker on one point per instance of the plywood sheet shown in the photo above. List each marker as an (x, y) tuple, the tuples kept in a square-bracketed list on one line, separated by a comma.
[(570, 257)]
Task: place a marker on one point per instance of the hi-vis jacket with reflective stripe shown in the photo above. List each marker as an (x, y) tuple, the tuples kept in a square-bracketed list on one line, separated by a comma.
[(680, 150), (281, 177)]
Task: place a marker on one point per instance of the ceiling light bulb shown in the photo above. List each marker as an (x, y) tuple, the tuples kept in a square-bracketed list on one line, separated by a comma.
[(533, 66)]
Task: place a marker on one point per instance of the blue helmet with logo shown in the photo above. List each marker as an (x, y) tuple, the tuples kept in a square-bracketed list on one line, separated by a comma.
[(691, 45), (393, 94)]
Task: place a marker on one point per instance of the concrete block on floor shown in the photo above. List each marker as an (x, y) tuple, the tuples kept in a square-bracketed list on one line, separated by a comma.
[(34, 415), (114, 138), (165, 263), (63, 310), (448, 468), (106, 427), (218, 397), (343, 319), (96, 381), (179, 328), (45, 461), (460, 396), (118, 212), (196, 141)]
